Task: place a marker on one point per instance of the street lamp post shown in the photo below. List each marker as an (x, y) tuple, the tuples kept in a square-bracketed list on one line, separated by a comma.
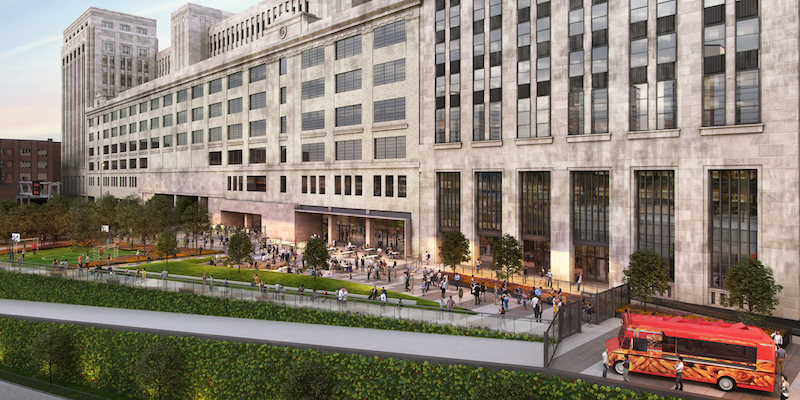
[(102, 166)]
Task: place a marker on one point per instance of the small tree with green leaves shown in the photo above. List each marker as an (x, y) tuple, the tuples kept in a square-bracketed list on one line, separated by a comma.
[(195, 221), (751, 289), (55, 216), (507, 256), (85, 224), (239, 248), (454, 249), (308, 379), (160, 371), (52, 352), (647, 274), (167, 244), (316, 253)]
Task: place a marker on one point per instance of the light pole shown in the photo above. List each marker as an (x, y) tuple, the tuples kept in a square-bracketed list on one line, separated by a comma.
[(102, 166)]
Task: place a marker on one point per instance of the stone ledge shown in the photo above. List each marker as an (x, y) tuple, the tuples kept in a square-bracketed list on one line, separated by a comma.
[(167, 150), (198, 146), (596, 137), (182, 148), (283, 138), (215, 144), (446, 146), (731, 129), (530, 141), (234, 142), (486, 143), (348, 131), (313, 135), (658, 134), (143, 152), (258, 139), (389, 127), (155, 151)]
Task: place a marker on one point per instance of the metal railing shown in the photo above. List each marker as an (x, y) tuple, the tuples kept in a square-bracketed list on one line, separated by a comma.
[(47, 387), (291, 297), (551, 339)]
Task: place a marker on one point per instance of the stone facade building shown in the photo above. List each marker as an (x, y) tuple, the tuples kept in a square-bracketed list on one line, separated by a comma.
[(586, 129)]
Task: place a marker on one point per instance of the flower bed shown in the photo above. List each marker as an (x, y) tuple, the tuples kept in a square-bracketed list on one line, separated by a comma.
[(55, 290), (227, 370)]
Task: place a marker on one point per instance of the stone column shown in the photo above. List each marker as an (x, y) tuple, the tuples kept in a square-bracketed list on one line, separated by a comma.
[(333, 230)]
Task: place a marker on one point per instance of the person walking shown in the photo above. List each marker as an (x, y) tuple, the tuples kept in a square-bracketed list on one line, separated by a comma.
[(626, 365), (780, 357), (784, 388), (678, 374), (460, 294), (535, 306), (494, 293), (443, 286), (427, 258), (605, 362), (589, 311), (550, 278), (503, 316), (524, 300), (579, 281), (450, 304)]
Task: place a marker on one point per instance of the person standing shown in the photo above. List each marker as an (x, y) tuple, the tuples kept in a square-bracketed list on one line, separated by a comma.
[(678, 374), (427, 258), (589, 311), (535, 306), (550, 278), (784, 388), (626, 365), (580, 281), (460, 294), (605, 362), (444, 285), (164, 274), (780, 356), (450, 304), (778, 338)]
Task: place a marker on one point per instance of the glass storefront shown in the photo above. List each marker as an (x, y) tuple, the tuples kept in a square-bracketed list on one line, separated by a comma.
[(536, 257), (390, 233), (592, 262)]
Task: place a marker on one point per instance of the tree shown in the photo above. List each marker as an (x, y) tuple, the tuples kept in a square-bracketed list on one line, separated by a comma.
[(454, 249), (28, 221), (160, 214), (167, 244), (129, 211), (647, 274), (160, 371), (51, 351), (752, 289), (107, 209), (316, 253), (8, 218), (85, 224), (55, 216), (195, 221), (239, 248), (507, 256), (308, 379)]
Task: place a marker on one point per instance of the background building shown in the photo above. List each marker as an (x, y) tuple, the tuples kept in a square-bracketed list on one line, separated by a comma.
[(34, 161)]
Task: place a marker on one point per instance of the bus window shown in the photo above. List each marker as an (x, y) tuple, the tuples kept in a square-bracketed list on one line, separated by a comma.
[(668, 345), (654, 341), (640, 344), (722, 351)]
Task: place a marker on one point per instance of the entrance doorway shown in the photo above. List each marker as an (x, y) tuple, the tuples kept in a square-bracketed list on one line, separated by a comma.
[(536, 257), (592, 262)]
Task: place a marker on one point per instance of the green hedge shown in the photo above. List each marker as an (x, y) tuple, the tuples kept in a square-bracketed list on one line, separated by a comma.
[(224, 370), (15, 286)]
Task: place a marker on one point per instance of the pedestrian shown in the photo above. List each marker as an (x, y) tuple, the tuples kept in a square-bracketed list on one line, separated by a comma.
[(535, 306), (483, 291), (427, 258), (517, 293), (524, 300), (780, 356), (580, 281), (204, 279), (678, 373), (505, 300), (460, 294), (549, 277), (503, 315), (478, 266), (589, 310), (778, 338), (443, 286), (605, 362), (476, 294), (164, 274), (494, 293), (383, 299), (784, 388), (626, 369), (450, 304)]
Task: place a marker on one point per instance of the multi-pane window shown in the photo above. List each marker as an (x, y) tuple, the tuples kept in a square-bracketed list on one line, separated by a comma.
[(258, 100), (167, 120), (167, 141), (666, 96), (154, 142), (153, 123), (402, 186), (258, 128), (215, 86), (258, 73), (489, 198), (132, 127), (257, 183), (348, 115), (734, 220), (214, 110), (655, 204), (313, 152), (345, 82), (258, 155), (304, 184), (389, 72), (337, 184), (390, 147), (168, 100), (234, 80), (376, 185), (234, 157), (282, 66), (197, 91), (523, 69), (390, 34), (182, 138), (123, 130), (313, 120), (714, 62), (142, 108), (348, 47), (600, 67), (283, 124), (214, 158), (575, 99), (535, 201), (390, 110), (215, 134), (283, 95), (747, 64), (197, 114), (132, 110), (283, 183), (358, 185), (348, 150), (132, 145), (449, 200), (182, 117), (197, 136), (235, 105), (234, 132), (455, 124), (590, 202), (283, 154), (639, 87), (313, 89), (312, 57), (389, 186), (183, 95)]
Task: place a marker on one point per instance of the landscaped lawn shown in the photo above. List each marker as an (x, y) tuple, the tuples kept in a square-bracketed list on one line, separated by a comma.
[(47, 256), (192, 267)]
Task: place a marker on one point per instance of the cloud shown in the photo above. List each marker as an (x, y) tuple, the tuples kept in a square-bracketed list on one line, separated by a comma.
[(29, 46)]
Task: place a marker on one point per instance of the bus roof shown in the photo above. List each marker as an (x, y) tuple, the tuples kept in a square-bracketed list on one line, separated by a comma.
[(696, 328)]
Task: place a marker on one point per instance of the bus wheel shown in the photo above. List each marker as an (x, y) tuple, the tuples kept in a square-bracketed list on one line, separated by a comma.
[(619, 368), (726, 383)]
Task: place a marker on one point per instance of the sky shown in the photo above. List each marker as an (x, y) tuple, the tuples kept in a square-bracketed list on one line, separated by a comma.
[(30, 61)]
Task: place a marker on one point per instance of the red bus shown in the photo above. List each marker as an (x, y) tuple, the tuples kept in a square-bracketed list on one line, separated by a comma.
[(728, 355)]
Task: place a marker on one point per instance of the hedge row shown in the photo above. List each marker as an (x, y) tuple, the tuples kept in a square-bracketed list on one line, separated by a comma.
[(223, 370), (55, 290)]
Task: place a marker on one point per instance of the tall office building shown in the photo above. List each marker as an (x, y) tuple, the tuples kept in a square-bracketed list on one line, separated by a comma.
[(586, 129), (104, 53)]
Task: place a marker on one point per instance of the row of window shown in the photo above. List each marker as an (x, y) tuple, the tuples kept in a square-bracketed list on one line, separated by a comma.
[(25, 164), (114, 181), (119, 164), (354, 185), (126, 49), (23, 152), (24, 176), (124, 27)]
